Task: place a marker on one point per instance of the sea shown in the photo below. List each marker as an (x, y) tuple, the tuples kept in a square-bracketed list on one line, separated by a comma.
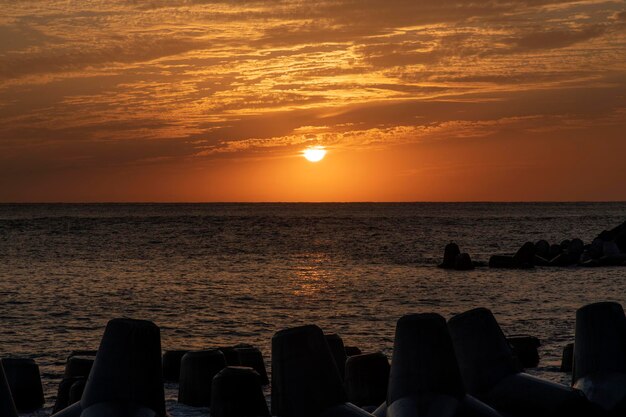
[(220, 274)]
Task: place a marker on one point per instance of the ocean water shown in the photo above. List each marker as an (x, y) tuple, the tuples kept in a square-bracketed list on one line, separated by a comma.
[(217, 274)]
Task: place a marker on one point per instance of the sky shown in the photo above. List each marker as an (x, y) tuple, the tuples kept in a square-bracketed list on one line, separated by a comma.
[(197, 100)]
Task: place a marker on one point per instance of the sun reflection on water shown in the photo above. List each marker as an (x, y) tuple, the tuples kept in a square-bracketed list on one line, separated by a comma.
[(311, 278)]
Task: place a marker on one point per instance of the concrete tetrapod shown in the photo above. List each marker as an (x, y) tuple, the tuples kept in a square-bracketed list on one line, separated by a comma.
[(567, 359), (7, 406), (338, 350), (197, 370), (126, 378), (490, 372), (524, 348), (600, 355), (367, 376), (171, 364), (236, 391), (425, 378), (76, 368), (450, 253), (77, 389), (305, 378), (253, 358), (117, 409), (24, 379)]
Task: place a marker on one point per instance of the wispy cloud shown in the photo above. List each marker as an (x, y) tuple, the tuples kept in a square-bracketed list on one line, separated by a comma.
[(142, 82)]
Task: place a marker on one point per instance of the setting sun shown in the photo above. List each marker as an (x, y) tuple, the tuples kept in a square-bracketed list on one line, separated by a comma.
[(314, 154)]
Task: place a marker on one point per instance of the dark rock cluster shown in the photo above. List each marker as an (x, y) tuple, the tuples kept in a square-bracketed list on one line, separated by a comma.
[(607, 249), (453, 258)]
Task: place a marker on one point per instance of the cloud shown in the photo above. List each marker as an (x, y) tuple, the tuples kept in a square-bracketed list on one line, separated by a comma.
[(69, 58), (224, 78), (620, 16), (551, 39)]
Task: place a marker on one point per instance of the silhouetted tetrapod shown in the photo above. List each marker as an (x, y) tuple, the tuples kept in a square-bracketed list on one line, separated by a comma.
[(76, 368), (451, 251), (305, 379), (77, 389), (567, 358), (197, 370), (600, 355), (236, 392), (25, 382), (253, 358), (425, 378), (490, 372), (367, 376), (171, 364), (337, 349), (126, 378), (7, 406)]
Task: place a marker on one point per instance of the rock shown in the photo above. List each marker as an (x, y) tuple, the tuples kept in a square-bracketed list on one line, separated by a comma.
[(236, 392), (567, 360), (171, 364), (463, 262), (542, 249), (450, 253), (197, 370), (25, 383), (366, 379), (524, 348)]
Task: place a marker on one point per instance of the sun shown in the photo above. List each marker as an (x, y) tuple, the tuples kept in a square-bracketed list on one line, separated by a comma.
[(314, 153)]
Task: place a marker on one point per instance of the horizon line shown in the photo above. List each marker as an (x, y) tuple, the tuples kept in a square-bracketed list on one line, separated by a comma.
[(317, 202)]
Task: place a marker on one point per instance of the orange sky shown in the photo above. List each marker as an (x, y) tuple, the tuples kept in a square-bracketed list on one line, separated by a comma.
[(202, 100)]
